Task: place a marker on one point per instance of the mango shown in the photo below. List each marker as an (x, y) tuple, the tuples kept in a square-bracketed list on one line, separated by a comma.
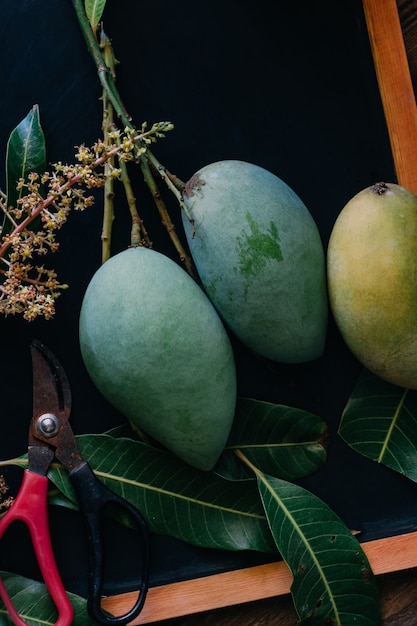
[(156, 349), (260, 258), (372, 280)]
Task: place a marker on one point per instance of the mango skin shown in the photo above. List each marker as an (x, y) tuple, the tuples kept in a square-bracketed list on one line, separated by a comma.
[(372, 279), (260, 258), (157, 350)]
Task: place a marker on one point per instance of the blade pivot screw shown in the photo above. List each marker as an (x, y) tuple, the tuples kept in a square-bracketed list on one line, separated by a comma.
[(47, 425)]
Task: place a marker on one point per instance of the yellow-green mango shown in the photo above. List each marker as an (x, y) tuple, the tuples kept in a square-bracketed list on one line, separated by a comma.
[(260, 258), (372, 280), (157, 350)]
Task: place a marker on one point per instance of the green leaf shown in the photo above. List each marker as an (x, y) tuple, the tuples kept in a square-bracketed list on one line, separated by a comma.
[(123, 430), (32, 601), (198, 507), (56, 498), (279, 440), (333, 582), (25, 153), (380, 422), (94, 10)]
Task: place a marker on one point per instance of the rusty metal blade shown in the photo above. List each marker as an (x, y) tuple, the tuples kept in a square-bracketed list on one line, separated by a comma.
[(51, 389)]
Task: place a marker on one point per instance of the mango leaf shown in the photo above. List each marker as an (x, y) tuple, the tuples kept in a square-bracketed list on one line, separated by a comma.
[(279, 440), (333, 582), (32, 601), (380, 422), (94, 10), (56, 498), (197, 507), (25, 153), (123, 430)]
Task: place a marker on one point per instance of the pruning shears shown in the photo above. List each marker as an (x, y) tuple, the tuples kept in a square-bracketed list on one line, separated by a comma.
[(50, 438)]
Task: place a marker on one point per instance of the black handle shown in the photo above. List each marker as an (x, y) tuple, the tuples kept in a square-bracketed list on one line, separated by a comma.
[(93, 496)]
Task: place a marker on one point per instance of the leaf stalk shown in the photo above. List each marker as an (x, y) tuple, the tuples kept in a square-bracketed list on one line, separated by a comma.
[(106, 78)]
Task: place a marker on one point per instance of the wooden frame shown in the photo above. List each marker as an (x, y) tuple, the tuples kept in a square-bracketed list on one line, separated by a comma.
[(385, 555), (395, 85), (252, 583)]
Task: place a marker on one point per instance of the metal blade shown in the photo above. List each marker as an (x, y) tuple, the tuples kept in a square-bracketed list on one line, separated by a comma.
[(52, 408), (51, 389)]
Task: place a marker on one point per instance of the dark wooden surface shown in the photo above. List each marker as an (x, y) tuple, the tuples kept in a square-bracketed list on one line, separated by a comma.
[(398, 591)]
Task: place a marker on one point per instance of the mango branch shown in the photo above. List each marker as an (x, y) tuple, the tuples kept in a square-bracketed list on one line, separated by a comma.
[(25, 286), (108, 204), (43, 203), (107, 81), (166, 220), (34, 204), (104, 73), (165, 217), (173, 183), (108, 210), (139, 234)]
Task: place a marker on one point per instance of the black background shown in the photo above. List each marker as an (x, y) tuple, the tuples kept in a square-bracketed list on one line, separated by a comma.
[(287, 85)]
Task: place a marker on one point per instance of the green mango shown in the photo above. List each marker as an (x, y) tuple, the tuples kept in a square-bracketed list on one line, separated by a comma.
[(260, 258), (157, 350)]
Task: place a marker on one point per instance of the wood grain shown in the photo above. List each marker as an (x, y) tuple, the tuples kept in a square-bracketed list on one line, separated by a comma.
[(398, 607), (247, 585), (395, 85), (407, 10)]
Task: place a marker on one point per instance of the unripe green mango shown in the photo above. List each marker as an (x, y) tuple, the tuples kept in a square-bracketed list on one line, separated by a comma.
[(157, 350), (372, 278), (260, 258)]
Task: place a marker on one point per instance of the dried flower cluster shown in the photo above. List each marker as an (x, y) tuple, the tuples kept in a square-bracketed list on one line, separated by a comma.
[(29, 229), (5, 503)]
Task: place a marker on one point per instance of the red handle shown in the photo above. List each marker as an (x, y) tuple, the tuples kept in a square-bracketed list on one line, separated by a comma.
[(30, 507)]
